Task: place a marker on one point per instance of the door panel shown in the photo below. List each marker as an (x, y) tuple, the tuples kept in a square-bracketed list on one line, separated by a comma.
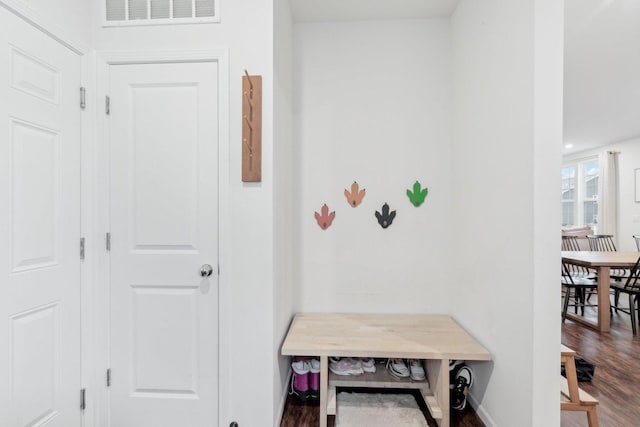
[(165, 157), (160, 370), (34, 188), (39, 229), (163, 196)]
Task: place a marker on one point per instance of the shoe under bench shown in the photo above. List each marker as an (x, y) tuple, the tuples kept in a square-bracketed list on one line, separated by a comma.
[(436, 339)]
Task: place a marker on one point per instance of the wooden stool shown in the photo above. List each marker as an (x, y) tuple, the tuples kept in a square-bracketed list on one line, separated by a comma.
[(572, 398)]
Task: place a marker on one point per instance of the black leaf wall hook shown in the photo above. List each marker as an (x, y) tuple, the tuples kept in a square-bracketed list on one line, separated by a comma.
[(385, 218)]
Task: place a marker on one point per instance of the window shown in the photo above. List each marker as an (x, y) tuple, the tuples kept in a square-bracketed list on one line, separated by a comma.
[(568, 195), (145, 12), (580, 193)]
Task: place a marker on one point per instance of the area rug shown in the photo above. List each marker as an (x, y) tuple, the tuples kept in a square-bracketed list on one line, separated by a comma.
[(378, 410)]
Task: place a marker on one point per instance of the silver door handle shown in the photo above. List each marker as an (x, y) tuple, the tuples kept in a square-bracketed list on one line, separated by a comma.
[(206, 270)]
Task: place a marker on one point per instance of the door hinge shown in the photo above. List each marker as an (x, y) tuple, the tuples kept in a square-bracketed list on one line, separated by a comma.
[(82, 248), (107, 105), (108, 241), (83, 98), (109, 377), (83, 399)]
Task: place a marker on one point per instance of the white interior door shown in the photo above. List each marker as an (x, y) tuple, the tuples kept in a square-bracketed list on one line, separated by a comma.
[(39, 228), (163, 128)]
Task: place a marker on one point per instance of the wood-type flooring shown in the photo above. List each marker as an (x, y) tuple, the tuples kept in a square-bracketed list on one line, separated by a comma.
[(617, 358), (298, 414)]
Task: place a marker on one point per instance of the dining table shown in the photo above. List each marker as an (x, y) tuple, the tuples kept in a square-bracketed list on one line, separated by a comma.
[(602, 263)]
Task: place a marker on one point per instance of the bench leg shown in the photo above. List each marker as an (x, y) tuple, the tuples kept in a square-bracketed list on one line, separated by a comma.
[(592, 417), (324, 388), (438, 374)]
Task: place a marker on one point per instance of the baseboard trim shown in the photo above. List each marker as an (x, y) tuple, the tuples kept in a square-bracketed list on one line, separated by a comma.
[(283, 400), (481, 411)]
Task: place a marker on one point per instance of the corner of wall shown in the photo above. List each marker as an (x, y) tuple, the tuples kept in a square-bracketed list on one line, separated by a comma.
[(283, 400), (500, 148), (283, 229), (481, 411)]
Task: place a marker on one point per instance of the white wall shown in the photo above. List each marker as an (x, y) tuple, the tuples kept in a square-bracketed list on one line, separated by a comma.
[(547, 137), (506, 133), (372, 104), (74, 16), (283, 205), (628, 209), (246, 29), (68, 21)]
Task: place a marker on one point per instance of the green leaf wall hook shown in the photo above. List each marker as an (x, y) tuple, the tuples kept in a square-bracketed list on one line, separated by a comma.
[(418, 195)]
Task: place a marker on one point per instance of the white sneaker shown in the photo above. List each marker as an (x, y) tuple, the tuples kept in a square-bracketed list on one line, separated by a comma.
[(356, 366), (416, 369), (346, 366), (301, 367), (397, 368), (368, 365)]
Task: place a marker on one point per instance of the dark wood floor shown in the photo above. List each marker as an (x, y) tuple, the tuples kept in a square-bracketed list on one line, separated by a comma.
[(617, 359), (617, 376), (307, 415)]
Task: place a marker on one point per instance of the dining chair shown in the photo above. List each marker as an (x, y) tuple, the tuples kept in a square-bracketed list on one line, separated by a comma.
[(579, 286), (605, 243), (631, 287), (601, 242), (636, 237), (581, 233), (570, 243)]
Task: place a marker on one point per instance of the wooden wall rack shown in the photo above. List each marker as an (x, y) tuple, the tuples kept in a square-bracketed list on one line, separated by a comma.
[(251, 128)]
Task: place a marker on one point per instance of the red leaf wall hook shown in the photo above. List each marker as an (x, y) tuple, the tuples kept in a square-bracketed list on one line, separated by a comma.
[(325, 220)]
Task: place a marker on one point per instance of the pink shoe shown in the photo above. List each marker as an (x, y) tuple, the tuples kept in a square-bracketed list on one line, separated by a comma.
[(300, 380), (314, 379)]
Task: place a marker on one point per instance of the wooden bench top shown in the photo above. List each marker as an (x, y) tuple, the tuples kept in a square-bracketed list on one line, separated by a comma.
[(415, 336)]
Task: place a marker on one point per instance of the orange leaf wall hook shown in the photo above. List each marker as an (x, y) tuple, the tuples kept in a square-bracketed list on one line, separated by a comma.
[(354, 197), (325, 218)]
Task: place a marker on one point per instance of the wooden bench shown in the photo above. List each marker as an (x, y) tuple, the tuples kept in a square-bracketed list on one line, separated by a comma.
[(572, 397), (435, 339)]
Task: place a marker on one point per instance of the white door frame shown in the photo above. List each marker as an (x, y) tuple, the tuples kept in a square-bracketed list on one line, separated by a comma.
[(99, 192)]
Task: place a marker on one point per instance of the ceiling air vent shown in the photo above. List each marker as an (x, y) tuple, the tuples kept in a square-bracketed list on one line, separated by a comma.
[(146, 12)]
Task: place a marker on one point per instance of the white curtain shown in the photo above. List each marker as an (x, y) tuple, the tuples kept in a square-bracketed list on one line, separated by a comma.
[(608, 194)]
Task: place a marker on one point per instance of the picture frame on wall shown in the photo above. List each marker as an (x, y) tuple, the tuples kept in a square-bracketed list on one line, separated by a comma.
[(637, 175)]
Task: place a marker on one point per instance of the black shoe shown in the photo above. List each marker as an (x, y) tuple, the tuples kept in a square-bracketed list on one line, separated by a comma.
[(464, 380), (454, 367)]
